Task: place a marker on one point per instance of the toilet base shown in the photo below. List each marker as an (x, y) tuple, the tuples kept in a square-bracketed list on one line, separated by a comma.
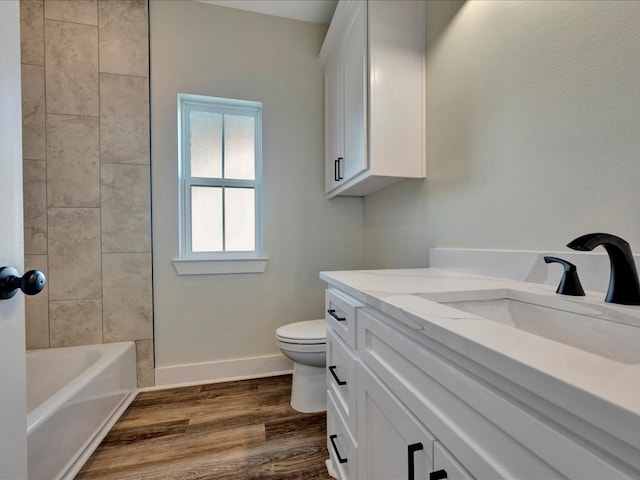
[(309, 389)]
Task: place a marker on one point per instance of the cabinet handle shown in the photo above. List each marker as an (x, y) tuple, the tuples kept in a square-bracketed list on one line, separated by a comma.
[(336, 169), (332, 369), (340, 177), (411, 449), (335, 448), (334, 315), (438, 475)]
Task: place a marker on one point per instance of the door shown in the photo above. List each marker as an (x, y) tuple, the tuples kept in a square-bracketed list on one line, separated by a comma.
[(333, 111), (355, 92), (13, 415)]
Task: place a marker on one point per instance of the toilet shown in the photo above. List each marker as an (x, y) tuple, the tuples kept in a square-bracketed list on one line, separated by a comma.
[(306, 344)]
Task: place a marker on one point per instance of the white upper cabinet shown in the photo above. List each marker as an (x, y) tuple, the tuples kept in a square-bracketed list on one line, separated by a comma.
[(374, 60)]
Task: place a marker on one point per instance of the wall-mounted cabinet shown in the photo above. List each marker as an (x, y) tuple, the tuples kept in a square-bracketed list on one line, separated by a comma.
[(374, 80)]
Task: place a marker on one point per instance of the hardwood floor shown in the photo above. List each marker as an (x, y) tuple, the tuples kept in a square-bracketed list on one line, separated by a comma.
[(235, 430)]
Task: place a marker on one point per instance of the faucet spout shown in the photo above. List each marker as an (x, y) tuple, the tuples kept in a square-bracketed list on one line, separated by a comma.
[(624, 287)]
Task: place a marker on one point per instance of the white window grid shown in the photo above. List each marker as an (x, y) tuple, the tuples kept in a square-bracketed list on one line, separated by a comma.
[(186, 104)]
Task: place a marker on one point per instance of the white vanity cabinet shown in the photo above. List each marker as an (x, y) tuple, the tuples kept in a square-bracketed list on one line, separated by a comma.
[(341, 314), (414, 407), (374, 61)]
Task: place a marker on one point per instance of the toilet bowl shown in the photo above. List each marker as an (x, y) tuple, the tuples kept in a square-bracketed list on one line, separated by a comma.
[(306, 344)]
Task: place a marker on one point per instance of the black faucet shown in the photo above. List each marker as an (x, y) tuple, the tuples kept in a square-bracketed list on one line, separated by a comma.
[(624, 287), (569, 283)]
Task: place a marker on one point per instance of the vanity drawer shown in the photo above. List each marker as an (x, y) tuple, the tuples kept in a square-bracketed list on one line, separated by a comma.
[(341, 376), (340, 312), (340, 443)]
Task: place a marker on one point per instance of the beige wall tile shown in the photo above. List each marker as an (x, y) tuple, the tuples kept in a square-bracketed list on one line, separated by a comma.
[(124, 39), (126, 293), (37, 306), (75, 322), (126, 210), (33, 112), (124, 119), (144, 357), (35, 206), (71, 59), (73, 161), (74, 253), (78, 11), (31, 32)]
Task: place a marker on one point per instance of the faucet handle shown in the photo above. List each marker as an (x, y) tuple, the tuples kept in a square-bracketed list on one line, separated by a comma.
[(570, 283)]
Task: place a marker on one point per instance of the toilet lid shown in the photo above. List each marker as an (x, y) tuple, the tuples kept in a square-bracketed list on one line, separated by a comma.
[(309, 331)]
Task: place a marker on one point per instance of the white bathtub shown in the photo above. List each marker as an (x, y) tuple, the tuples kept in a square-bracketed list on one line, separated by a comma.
[(74, 396)]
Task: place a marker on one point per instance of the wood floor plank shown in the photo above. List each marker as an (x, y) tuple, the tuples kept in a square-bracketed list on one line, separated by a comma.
[(235, 430)]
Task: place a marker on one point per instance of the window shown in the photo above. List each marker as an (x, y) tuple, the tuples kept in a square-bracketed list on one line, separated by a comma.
[(220, 168)]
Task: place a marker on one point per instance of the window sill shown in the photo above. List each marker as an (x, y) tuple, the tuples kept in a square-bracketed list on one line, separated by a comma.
[(219, 266)]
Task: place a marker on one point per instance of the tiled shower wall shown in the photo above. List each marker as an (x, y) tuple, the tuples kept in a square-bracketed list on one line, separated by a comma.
[(85, 94)]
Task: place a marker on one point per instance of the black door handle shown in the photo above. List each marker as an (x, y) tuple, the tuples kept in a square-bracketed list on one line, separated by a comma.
[(332, 369), (438, 475), (411, 449), (332, 438), (336, 316), (31, 283), (340, 177)]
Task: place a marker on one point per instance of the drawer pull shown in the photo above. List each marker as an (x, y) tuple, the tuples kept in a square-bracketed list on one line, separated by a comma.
[(411, 449), (336, 316), (438, 475), (332, 369), (335, 449), (336, 169)]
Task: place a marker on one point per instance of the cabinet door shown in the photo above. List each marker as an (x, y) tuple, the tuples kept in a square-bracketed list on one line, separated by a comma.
[(333, 118), (355, 91), (392, 443)]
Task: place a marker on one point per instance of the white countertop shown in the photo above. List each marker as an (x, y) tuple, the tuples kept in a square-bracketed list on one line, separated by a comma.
[(604, 392)]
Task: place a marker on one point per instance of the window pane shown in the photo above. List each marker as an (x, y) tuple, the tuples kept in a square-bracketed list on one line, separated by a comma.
[(206, 144), (239, 147), (240, 219), (206, 219)]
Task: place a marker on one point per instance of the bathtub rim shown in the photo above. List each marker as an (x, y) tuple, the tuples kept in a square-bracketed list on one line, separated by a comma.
[(74, 466), (120, 353), (41, 412)]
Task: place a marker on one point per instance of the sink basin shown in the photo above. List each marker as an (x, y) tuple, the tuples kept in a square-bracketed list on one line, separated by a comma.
[(589, 331)]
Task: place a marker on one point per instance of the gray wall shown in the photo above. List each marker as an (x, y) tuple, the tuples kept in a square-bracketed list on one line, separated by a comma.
[(533, 132), (209, 50)]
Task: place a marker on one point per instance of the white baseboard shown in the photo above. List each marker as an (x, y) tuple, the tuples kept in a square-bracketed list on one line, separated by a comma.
[(222, 371)]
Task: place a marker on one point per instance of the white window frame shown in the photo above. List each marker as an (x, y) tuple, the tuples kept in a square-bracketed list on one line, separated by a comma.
[(199, 263)]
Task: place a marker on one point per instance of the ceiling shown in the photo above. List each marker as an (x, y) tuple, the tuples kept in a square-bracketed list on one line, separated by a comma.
[(315, 11)]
